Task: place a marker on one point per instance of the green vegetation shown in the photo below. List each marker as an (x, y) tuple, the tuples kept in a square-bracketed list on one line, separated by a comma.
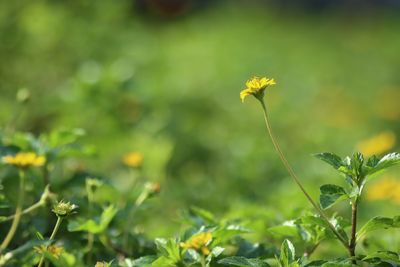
[(124, 142)]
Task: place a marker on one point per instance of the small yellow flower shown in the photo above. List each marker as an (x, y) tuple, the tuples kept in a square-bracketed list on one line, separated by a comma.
[(199, 242), (54, 250), (387, 188), (256, 87), (25, 159), (378, 144), (133, 159)]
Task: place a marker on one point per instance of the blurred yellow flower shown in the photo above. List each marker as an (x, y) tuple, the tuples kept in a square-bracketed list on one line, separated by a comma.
[(25, 159), (378, 144), (387, 188), (199, 242), (54, 250), (133, 159), (256, 87)]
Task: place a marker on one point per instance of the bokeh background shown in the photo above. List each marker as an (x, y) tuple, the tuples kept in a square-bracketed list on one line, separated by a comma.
[(163, 78)]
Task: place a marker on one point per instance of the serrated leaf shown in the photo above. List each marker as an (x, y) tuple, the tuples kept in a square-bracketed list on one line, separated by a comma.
[(288, 254), (378, 223), (331, 194), (387, 161), (243, 262), (168, 248), (330, 158), (357, 163)]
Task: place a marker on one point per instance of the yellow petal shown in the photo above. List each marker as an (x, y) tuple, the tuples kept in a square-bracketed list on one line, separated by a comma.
[(244, 93)]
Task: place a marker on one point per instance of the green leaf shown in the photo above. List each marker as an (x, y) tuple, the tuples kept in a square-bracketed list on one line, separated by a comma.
[(287, 229), (227, 232), (169, 249), (387, 161), (372, 161), (331, 194), (334, 264), (330, 158), (384, 256), (215, 252), (288, 254), (94, 226), (162, 262), (243, 262), (378, 223), (357, 163), (63, 137), (336, 221), (145, 261), (204, 214)]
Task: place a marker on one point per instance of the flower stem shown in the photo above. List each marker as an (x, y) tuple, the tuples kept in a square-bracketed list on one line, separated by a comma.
[(353, 243), (17, 216), (40, 203), (295, 178), (53, 234)]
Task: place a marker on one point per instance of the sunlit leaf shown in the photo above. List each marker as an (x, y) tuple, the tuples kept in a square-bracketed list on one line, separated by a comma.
[(378, 223), (242, 262)]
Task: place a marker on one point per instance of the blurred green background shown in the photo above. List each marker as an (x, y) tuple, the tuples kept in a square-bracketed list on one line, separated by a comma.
[(163, 78)]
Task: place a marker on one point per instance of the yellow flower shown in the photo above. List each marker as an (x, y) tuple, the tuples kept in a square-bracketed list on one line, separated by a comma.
[(133, 159), (377, 144), (54, 250), (199, 242), (256, 87), (25, 159), (388, 188)]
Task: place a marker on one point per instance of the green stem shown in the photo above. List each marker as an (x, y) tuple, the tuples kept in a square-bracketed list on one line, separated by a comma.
[(139, 201), (295, 178), (90, 237), (17, 216), (353, 242), (203, 261), (40, 203), (52, 236)]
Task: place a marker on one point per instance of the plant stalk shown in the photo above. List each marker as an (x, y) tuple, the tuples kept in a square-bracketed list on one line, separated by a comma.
[(353, 242), (139, 201), (295, 178), (90, 237), (52, 236), (35, 206), (18, 212)]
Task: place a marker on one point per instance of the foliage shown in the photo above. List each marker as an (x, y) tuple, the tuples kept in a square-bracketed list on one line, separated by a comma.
[(130, 141)]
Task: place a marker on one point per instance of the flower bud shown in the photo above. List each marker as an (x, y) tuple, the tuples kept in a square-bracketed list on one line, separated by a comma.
[(62, 209)]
